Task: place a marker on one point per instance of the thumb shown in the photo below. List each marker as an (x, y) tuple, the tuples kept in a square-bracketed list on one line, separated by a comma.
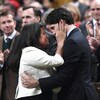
[(26, 73)]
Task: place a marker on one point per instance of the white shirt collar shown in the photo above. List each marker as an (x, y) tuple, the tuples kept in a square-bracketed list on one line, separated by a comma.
[(73, 27), (11, 36), (94, 28), (94, 21)]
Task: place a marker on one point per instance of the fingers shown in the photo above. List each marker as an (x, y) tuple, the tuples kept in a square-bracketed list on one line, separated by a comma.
[(24, 80), (1, 57), (6, 53), (89, 28), (93, 42), (97, 31), (28, 81), (62, 25)]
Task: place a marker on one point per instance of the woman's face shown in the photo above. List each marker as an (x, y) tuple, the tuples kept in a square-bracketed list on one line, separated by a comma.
[(43, 38)]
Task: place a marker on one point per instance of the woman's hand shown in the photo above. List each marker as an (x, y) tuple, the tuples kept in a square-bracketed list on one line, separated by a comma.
[(60, 31), (28, 81)]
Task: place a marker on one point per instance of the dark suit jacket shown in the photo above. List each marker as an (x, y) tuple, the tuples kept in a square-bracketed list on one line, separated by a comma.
[(74, 75), (98, 68), (1, 33), (1, 71)]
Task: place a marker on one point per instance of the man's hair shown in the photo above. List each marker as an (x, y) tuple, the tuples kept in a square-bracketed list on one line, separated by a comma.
[(36, 11), (59, 13), (6, 13)]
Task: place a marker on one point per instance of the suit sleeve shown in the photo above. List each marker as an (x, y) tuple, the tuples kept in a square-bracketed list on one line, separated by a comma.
[(66, 72)]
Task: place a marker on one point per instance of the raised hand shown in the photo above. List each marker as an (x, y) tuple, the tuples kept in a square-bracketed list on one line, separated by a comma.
[(89, 29), (6, 54), (1, 57), (60, 31)]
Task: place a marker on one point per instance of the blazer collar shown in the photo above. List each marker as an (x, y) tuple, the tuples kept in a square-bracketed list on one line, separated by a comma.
[(73, 31), (11, 36)]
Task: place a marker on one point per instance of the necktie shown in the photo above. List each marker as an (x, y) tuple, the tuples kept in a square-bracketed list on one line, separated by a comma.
[(8, 40)]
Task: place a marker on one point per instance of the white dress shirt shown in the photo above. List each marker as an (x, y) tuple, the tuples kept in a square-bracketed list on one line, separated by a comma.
[(11, 36), (35, 62)]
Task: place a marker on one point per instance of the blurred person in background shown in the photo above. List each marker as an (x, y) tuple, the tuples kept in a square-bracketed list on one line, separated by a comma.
[(7, 25), (95, 16), (82, 7), (19, 18), (75, 13), (38, 6), (87, 15), (9, 7), (53, 3), (94, 26), (26, 3), (30, 15)]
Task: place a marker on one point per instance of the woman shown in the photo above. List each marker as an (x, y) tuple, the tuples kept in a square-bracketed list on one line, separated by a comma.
[(35, 61)]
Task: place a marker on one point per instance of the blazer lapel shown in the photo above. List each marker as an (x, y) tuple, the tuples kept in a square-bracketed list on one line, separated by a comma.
[(17, 33), (73, 31), (1, 42)]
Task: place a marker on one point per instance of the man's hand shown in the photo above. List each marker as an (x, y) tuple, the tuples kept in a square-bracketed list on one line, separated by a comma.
[(28, 81), (6, 53), (1, 57), (89, 29), (93, 42)]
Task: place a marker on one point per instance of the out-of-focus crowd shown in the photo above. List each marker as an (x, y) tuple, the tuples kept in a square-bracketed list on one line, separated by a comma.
[(19, 18)]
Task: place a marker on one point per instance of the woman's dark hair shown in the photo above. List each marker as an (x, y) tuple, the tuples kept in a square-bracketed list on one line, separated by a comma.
[(33, 34), (29, 36)]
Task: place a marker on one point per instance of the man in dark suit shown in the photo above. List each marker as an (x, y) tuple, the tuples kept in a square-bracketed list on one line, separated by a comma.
[(95, 11), (74, 75), (7, 25), (94, 60)]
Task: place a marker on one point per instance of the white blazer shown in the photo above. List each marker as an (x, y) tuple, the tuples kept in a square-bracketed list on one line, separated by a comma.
[(35, 62)]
